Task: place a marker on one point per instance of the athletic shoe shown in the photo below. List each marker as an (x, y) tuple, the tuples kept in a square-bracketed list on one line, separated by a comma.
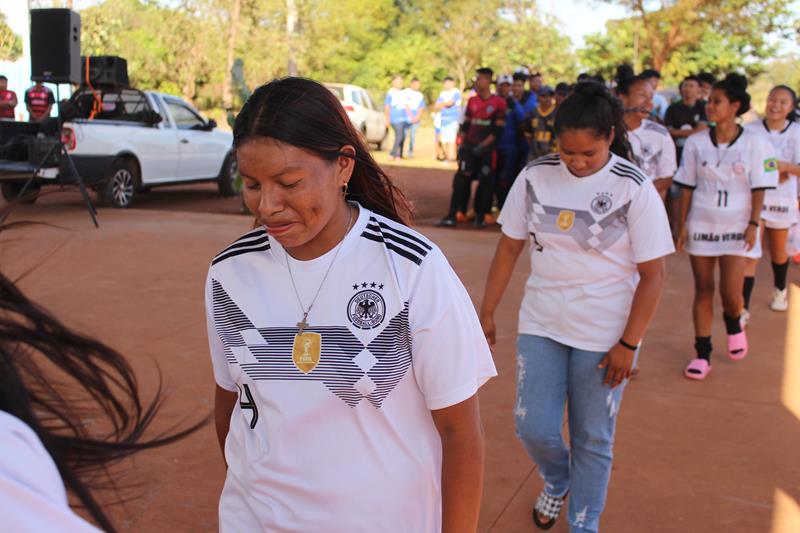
[(470, 215), (744, 318), (488, 219), (780, 300), (479, 222), (447, 222), (461, 217)]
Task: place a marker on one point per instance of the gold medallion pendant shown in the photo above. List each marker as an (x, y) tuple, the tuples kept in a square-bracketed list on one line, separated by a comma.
[(306, 351)]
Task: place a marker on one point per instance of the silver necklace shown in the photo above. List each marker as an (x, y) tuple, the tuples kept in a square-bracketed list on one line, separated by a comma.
[(303, 324)]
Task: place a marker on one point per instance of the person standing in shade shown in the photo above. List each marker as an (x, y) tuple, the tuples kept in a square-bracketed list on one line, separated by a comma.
[(484, 121), (347, 354), (780, 129), (540, 125), (507, 146), (528, 100), (8, 99), (416, 105), (651, 145), (398, 115), (660, 103), (724, 174), (39, 101), (597, 234), (449, 106)]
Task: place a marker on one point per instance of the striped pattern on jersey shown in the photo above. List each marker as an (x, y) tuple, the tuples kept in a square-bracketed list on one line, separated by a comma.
[(347, 368), (255, 241), (397, 239), (588, 233), (624, 169), (546, 160)]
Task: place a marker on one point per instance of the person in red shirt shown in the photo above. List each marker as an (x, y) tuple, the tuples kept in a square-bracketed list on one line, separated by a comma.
[(39, 101), (484, 119), (8, 99)]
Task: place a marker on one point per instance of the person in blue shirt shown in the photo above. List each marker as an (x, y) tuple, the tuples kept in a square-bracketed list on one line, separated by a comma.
[(398, 115), (415, 101), (508, 146), (449, 106), (528, 101)]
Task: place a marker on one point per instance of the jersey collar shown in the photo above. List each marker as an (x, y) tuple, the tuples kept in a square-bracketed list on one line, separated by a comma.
[(788, 125), (712, 133)]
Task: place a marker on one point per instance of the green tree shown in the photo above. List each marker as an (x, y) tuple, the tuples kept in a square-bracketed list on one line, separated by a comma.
[(10, 42)]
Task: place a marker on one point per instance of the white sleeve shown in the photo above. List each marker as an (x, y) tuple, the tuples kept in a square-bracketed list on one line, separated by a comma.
[(687, 173), (451, 358), (514, 216), (648, 225), (32, 494), (764, 171), (667, 164), (220, 363)]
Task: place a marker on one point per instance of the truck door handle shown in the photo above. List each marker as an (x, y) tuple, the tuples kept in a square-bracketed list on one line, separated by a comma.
[(184, 141)]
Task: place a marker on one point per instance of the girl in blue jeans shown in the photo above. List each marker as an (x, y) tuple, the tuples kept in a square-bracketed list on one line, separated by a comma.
[(598, 233)]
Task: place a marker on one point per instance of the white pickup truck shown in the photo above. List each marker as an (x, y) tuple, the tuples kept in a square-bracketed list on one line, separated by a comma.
[(123, 142)]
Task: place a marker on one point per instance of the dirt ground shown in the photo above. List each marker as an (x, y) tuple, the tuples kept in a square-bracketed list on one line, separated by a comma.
[(717, 456)]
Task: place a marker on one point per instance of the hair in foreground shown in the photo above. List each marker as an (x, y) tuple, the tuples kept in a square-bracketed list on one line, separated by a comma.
[(307, 115), (592, 107), (54, 379)]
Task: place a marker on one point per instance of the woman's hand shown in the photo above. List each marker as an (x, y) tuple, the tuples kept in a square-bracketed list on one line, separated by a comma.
[(618, 363), (750, 236), (489, 329), (683, 238)]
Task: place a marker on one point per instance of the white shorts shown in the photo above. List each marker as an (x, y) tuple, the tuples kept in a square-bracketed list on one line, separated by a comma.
[(449, 132), (782, 224)]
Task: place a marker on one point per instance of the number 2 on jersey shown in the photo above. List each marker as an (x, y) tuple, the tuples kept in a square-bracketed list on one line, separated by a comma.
[(722, 198)]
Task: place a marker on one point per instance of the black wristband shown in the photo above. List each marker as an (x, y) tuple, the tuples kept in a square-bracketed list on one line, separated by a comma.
[(628, 346), (753, 223)]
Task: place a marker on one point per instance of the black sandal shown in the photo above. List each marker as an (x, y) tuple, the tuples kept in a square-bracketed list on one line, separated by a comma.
[(549, 506)]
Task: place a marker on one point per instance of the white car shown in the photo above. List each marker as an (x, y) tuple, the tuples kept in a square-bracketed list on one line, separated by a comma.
[(134, 140), (365, 116)]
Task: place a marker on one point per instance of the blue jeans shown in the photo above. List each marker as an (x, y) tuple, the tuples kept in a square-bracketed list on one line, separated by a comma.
[(399, 129), (412, 134), (550, 374)]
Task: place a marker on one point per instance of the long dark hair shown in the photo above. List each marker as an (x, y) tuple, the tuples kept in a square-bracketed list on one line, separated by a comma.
[(306, 114), (792, 116), (626, 79), (53, 378), (592, 107)]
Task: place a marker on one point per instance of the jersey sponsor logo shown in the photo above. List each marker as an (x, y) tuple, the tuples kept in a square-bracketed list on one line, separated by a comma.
[(566, 219), (770, 164), (601, 204), (306, 351), (717, 237), (366, 309)]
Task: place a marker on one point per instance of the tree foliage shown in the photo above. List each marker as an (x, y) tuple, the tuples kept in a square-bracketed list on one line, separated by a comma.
[(679, 37), (10, 42)]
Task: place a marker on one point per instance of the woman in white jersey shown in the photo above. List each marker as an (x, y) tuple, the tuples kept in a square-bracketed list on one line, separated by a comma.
[(346, 352), (598, 233), (57, 388), (780, 205), (724, 173), (652, 146)]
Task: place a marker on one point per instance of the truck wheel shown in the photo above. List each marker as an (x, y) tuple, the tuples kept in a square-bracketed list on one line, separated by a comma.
[(382, 143), (228, 182), (120, 189), (11, 190)]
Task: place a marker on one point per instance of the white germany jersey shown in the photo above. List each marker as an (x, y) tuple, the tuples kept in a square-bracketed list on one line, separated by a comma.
[(653, 150), (780, 204), (723, 177), (587, 236), (338, 437)]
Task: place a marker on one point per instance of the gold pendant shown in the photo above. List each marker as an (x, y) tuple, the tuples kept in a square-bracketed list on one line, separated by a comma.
[(565, 220), (306, 351)]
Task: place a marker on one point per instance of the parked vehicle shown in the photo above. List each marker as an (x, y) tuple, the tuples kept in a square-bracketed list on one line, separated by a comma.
[(123, 142), (365, 116)]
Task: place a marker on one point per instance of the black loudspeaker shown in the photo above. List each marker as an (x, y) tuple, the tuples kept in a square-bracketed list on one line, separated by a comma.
[(55, 45), (105, 70)]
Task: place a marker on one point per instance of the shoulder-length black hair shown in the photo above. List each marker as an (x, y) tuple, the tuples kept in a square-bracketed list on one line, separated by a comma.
[(306, 114)]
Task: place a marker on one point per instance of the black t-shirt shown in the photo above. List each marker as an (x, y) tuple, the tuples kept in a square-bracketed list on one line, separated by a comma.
[(679, 115)]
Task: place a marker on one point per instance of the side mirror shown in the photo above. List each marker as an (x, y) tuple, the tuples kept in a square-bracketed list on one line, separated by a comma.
[(211, 124)]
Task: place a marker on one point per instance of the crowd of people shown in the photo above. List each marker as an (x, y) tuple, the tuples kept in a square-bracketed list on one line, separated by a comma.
[(347, 355)]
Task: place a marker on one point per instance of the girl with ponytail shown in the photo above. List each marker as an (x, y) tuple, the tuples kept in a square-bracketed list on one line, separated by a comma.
[(724, 174), (780, 205), (598, 234)]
